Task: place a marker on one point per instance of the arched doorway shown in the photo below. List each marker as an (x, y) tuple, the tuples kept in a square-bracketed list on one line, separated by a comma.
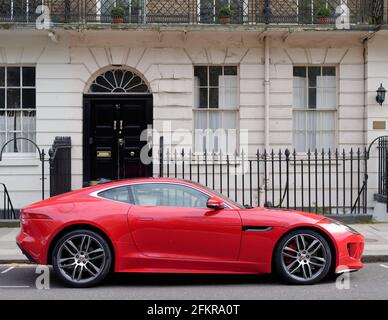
[(118, 107)]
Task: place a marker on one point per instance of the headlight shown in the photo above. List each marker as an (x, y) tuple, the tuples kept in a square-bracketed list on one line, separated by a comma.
[(342, 225)]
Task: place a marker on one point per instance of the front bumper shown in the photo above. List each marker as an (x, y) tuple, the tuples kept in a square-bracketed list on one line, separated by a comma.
[(350, 253), (348, 243)]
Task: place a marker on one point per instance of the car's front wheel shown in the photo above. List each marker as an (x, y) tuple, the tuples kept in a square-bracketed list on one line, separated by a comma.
[(302, 257), (81, 258)]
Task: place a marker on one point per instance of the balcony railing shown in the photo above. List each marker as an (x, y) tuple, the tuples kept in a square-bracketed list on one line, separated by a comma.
[(300, 12)]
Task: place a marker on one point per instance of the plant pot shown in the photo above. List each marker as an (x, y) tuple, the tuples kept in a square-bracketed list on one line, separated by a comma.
[(323, 20), (225, 20), (117, 20)]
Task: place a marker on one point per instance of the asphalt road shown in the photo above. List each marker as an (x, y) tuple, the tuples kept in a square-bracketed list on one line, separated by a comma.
[(19, 282)]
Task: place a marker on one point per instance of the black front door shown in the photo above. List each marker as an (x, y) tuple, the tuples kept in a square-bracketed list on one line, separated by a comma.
[(112, 137)]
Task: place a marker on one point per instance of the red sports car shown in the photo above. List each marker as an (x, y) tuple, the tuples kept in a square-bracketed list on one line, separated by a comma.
[(176, 226)]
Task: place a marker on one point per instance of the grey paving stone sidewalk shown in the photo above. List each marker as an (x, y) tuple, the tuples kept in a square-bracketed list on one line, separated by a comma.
[(9, 251), (376, 238), (376, 244)]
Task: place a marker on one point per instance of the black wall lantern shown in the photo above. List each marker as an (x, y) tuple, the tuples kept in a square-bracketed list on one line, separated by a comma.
[(380, 98)]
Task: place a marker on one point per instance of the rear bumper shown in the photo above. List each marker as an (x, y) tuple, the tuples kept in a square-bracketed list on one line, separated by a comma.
[(30, 248), (28, 256)]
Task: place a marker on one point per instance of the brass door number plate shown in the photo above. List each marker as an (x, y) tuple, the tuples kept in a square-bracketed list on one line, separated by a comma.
[(379, 125), (104, 154)]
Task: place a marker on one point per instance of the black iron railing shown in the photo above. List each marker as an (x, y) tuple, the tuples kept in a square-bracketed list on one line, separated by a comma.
[(382, 148), (60, 173), (322, 182), (41, 152), (8, 211), (382, 169), (356, 12)]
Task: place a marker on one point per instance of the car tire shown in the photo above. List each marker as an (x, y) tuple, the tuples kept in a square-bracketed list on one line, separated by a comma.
[(81, 258), (302, 257)]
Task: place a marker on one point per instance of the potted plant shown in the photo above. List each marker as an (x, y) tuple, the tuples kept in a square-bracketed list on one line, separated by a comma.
[(323, 14), (225, 14), (117, 14)]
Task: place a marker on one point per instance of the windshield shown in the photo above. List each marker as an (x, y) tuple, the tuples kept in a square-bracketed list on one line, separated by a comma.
[(238, 205)]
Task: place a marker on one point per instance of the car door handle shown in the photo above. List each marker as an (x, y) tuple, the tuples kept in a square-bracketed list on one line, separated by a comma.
[(146, 219)]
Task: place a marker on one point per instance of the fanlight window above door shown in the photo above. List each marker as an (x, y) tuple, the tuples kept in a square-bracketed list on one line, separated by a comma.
[(119, 81)]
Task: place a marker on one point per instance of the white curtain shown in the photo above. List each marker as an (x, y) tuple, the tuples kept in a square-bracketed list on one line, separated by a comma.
[(19, 124), (200, 124), (215, 123), (300, 95), (208, 123), (227, 93), (230, 124), (299, 130), (326, 92), (196, 92), (314, 129), (327, 130), (13, 126), (215, 130), (2, 127), (229, 120), (28, 130)]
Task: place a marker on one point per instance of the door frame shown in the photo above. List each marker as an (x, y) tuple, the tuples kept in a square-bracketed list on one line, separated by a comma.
[(88, 99)]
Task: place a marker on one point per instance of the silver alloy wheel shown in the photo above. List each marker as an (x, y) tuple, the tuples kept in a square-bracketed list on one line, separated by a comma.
[(81, 258), (304, 257)]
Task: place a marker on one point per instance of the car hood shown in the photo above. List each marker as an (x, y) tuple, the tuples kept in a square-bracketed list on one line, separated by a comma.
[(274, 217)]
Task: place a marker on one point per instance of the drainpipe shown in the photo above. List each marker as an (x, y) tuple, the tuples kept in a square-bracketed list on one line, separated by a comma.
[(365, 58), (264, 184), (266, 92), (365, 45)]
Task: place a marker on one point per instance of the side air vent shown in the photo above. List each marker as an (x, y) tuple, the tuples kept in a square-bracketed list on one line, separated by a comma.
[(256, 228)]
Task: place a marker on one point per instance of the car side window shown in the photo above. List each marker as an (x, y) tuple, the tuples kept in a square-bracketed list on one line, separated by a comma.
[(122, 194), (168, 195)]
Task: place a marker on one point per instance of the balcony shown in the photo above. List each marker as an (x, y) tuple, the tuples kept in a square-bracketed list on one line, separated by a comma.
[(356, 14)]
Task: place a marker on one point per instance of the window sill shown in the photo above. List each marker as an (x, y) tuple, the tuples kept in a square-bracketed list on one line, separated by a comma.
[(215, 109), (20, 162)]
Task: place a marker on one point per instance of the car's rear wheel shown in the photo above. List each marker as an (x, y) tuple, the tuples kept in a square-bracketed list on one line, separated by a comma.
[(81, 258), (302, 257)]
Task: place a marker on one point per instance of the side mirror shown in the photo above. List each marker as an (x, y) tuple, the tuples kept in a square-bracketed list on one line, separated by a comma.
[(215, 204)]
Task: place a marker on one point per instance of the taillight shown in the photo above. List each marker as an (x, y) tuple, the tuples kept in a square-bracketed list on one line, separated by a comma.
[(22, 216), (36, 216)]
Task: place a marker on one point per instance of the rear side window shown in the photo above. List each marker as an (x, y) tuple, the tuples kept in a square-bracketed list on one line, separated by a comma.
[(122, 194), (168, 195)]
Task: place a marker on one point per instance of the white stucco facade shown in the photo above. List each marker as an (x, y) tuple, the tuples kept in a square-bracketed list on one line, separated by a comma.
[(65, 68)]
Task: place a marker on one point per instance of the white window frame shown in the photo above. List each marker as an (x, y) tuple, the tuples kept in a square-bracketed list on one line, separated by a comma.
[(334, 110), (236, 110), (17, 155)]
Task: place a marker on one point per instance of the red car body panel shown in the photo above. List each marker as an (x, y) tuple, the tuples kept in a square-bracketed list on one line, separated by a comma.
[(182, 240)]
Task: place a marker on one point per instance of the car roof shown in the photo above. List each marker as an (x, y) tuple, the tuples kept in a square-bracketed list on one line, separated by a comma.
[(118, 183), (109, 185)]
